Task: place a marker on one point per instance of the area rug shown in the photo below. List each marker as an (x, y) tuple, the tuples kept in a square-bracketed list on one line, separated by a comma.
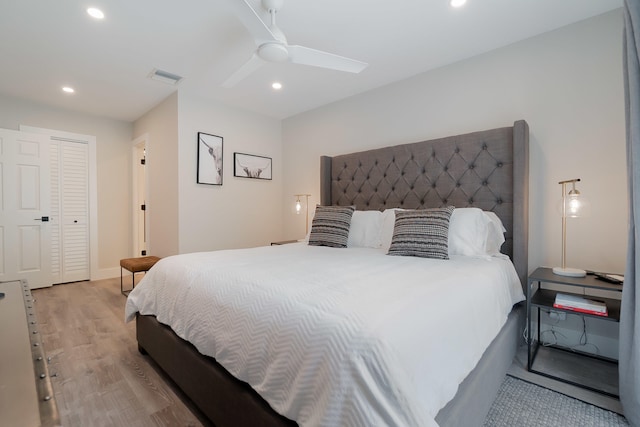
[(523, 404)]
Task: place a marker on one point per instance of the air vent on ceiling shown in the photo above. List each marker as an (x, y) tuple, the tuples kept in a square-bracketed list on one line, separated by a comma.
[(165, 77)]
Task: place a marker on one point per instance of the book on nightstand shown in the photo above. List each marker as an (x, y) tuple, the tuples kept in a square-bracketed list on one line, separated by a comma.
[(580, 304)]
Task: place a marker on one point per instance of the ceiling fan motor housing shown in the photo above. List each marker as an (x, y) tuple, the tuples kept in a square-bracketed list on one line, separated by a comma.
[(273, 52), (270, 5)]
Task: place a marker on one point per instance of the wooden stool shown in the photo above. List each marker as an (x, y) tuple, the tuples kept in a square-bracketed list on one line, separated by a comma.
[(135, 265)]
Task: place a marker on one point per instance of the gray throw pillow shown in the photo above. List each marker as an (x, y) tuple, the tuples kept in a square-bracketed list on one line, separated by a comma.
[(330, 226), (422, 233)]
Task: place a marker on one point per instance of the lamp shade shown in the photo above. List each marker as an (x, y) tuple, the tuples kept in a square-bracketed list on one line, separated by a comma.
[(300, 208), (576, 205)]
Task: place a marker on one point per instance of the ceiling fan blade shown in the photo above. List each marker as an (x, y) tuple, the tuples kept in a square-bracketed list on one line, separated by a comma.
[(252, 21), (317, 58), (243, 72)]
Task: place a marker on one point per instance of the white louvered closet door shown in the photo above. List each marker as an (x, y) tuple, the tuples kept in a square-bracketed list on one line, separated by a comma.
[(70, 211)]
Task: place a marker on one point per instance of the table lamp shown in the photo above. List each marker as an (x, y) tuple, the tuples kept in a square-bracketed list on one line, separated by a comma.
[(573, 206)]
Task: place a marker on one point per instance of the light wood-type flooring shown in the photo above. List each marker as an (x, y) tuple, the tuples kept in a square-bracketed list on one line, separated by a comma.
[(99, 377)]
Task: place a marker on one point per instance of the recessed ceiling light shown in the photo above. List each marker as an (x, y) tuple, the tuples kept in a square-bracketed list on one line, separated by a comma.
[(276, 85), (95, 13), (457, 3), (68, 89)]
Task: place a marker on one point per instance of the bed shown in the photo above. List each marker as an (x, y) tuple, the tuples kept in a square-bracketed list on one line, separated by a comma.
[(487, 170)]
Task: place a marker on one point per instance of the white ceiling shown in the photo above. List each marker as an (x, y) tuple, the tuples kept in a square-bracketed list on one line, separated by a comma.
[(45, 44)]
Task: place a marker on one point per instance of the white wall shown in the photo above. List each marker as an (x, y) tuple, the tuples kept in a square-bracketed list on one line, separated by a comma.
[(188, 217), (113, 139), (242, 212), (160, 124), (567, 84)]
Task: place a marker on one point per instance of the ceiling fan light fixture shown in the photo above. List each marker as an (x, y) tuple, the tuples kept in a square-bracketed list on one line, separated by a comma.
[(457, 3), (273, 52)]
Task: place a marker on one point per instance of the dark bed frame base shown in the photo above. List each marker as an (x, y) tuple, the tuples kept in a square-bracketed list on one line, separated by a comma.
[(204, 380)]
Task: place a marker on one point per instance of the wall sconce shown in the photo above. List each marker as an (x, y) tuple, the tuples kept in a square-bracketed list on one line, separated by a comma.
[(306, 209), (573, 206)]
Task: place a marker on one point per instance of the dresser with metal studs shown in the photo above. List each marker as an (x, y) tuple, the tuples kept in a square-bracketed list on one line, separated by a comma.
[(26, 395)]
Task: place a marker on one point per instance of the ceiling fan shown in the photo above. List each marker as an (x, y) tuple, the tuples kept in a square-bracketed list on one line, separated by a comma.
[(272, 45)]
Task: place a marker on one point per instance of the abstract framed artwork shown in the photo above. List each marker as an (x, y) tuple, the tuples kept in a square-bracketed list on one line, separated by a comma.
[(250, 166), (209, 159)]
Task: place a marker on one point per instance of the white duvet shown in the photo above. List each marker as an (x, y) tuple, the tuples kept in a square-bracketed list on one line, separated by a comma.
[(335, 337)]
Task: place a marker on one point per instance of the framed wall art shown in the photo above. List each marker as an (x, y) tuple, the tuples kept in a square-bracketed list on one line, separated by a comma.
[(250, 166), (209, 159)]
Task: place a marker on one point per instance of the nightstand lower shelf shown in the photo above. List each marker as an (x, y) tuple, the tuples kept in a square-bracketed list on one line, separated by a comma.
[(574, 367), (577, 368)]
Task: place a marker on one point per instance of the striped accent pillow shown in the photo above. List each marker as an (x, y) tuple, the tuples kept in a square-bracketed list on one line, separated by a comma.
[(330, 226), (422, 233)]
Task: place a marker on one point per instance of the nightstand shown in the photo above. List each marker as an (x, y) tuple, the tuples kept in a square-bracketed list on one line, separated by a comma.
[(582, 369), (284, 242)]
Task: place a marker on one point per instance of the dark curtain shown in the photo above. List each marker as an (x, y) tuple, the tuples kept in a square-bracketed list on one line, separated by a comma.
[(630, 315)]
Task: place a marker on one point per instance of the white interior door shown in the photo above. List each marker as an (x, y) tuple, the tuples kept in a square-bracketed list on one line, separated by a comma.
[(70, 208), (25, 231), (142, 203), (139, 191), (74, 201)]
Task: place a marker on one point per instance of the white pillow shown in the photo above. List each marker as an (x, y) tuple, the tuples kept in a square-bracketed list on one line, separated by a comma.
[(473, 232), (365, 228), (386, 230), (495, 234)]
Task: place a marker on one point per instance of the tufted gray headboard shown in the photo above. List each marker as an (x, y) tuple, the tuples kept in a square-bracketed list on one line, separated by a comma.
[(487, 169)]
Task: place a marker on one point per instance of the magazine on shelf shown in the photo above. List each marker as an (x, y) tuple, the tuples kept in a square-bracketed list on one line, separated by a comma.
[(580, 304)]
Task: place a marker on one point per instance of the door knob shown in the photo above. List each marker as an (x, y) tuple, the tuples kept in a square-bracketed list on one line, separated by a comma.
[(43, 219)]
